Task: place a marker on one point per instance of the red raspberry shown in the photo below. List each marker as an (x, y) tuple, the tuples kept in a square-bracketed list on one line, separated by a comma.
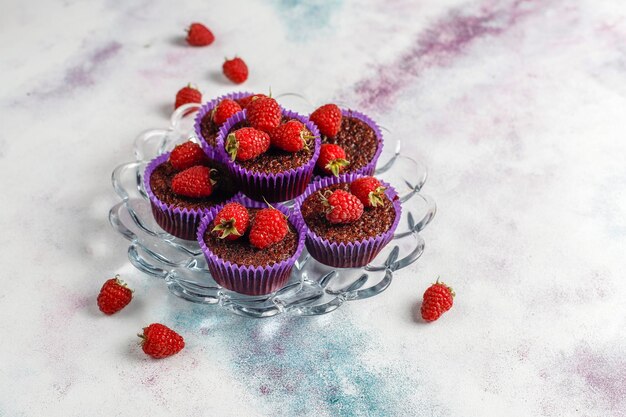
[(328, 119), (231, 222), (160, 341), (369, 191), (235, 70), (264, 114), (269, 227), (186, 95), (292, 136), (438, 299), (199, 35), (224, 110), (193, 182), (343, 207), (114, 296), (186, 155), (332, 159), (243, 102), (246, 143)]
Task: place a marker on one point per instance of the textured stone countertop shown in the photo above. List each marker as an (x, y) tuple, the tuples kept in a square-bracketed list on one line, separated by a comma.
[(518, 108)]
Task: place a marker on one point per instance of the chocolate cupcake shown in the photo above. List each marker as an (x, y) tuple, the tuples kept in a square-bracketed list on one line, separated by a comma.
[(205, 127), (179, 214), (362, 141), (275, 175), (352, 244), (238, 265)]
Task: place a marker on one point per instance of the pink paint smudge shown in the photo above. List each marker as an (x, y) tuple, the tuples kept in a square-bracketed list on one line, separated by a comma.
[(83, 74), (605, 375), (436, 46)]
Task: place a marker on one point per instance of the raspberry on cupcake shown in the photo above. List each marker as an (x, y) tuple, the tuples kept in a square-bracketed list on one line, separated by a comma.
[(348, 219), (214, 113), (259, 258), (358, 137), (271, 152), (181, 185)]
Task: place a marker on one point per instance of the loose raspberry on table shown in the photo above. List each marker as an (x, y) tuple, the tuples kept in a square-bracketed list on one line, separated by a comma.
[(438, 299), (160, 341), (114, 296), (235, 70)]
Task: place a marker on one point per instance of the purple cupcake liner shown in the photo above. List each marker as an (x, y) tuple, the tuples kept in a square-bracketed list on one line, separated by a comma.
[(207, 108), (352, 254), (248, 279), (180, 222), (371, 166), (276, 187)]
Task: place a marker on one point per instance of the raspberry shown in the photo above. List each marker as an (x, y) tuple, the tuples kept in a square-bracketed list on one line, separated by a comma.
[(235, 70), (292, 136), (243, 102), (160, 341), (246, 143), (186, 95), (224, 110), (199, 35), (193, 182), (369, 191), (328, 119), (264, 113), (269, 227), (114, 296), (438, 299), (332, 159), (186, 155), (231, 222), (343, 207)]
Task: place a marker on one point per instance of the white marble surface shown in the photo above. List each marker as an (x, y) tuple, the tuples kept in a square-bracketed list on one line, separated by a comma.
[(519, 109)]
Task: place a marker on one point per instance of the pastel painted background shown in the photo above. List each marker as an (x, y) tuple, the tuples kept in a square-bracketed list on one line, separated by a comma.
[(517, 107)]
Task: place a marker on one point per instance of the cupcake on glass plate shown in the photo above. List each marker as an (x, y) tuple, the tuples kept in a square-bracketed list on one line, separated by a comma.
[(212, 115), (182, 185), (251, 247), (269, 151), (351, 141), (348, 219)]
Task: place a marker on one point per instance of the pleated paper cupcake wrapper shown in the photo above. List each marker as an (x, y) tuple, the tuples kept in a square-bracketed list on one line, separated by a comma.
[(248, 279), (208, 108), (180, 222), (352, 254), (370, 167), (281, 186)]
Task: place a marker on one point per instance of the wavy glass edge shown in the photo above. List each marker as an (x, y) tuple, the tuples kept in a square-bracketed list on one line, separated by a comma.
[(188, 277)]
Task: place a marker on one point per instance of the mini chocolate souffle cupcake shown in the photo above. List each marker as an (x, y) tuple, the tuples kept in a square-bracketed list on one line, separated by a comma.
[(251, 248), (208, 120), (272, 173), (358, 137), (182, 185), (348, 219)]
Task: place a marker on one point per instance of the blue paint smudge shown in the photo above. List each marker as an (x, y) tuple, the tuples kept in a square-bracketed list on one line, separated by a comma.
[(308, 366), (306, 18)]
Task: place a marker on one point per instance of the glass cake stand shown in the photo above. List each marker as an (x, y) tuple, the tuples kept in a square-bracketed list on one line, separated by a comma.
[(313, 288)]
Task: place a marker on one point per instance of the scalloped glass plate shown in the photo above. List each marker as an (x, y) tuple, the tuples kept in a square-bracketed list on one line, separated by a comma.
[(314, 288)]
